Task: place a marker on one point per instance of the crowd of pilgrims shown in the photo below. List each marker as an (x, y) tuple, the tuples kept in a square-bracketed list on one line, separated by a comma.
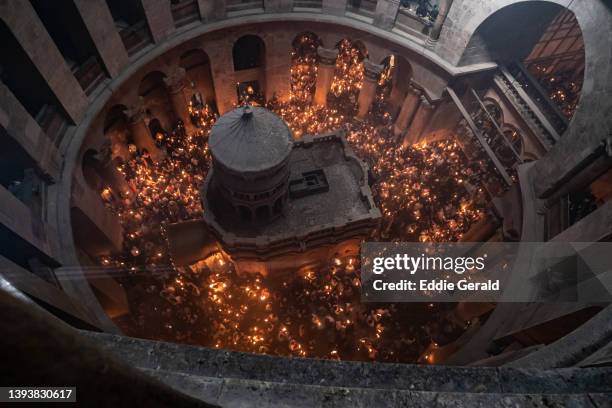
[(426, 193)]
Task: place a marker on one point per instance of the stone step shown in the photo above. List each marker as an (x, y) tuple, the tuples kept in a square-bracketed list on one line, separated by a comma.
[(236, 393), (212, 363)]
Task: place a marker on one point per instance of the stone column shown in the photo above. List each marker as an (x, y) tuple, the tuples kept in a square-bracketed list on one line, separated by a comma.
[(386, 13), (22, 20), (335, 7), (420, 122), (434, 33), (221, 68), (278, 66), (325, 74), (409, 107), (175, 84), (159, 18), (22, 127), (119, 148), (141, 134), (211, 10), (100, 25), (396, 98), (368, 90)]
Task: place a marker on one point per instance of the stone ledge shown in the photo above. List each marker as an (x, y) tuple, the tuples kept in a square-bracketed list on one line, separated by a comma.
[(205, 362)]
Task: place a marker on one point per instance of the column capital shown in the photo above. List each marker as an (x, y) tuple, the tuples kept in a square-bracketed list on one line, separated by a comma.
[(175, 81), (371, 70), (327, 56)]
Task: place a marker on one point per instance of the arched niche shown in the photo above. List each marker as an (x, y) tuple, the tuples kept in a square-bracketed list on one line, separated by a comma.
[(199, 75), (248, 52)]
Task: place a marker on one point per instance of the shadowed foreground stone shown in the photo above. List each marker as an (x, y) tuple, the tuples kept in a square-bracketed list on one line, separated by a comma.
[(236, 379), (39, 350)]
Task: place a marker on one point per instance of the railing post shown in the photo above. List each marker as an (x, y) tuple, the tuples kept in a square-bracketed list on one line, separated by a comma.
[(335, 7)]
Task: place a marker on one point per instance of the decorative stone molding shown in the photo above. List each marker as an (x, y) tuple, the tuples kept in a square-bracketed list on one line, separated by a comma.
[(327, 56)]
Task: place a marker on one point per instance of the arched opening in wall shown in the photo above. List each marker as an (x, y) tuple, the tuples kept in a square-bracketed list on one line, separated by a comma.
[(116, 130), (156, 129), (391, 88), (64, 24), (244, 213), (304, 61), (393, 84), (130, 22), (202, 90), (348, 75), (248, 53), (154, 94), (19, 74), (539, 44), (249, 69)]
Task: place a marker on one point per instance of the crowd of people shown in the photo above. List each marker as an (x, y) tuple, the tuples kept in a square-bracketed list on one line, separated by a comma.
[(426, 192)]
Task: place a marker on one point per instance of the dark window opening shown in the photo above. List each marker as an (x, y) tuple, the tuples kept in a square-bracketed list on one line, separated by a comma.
[(248, 53)]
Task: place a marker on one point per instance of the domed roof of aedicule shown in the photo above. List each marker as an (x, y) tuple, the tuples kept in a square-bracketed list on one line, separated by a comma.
[(250, 139)]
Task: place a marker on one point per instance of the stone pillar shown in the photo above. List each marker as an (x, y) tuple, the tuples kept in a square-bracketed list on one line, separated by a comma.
[(434, 33), (221, 68), (175, 84), (396, 99), (278, 66), (278, 6), (211, 10), (325, 74), (119, 148), (141, 134), (100, 25), (386, 13), (368, 90), (22, 127), (22, 20), (409, 107), (335, 7), (420, 122), (159, 18)]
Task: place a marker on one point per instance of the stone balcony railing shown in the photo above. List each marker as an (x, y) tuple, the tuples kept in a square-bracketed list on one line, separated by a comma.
[(402, 20), (239, 7), (184, 12), (308, 4), (135, 37)]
